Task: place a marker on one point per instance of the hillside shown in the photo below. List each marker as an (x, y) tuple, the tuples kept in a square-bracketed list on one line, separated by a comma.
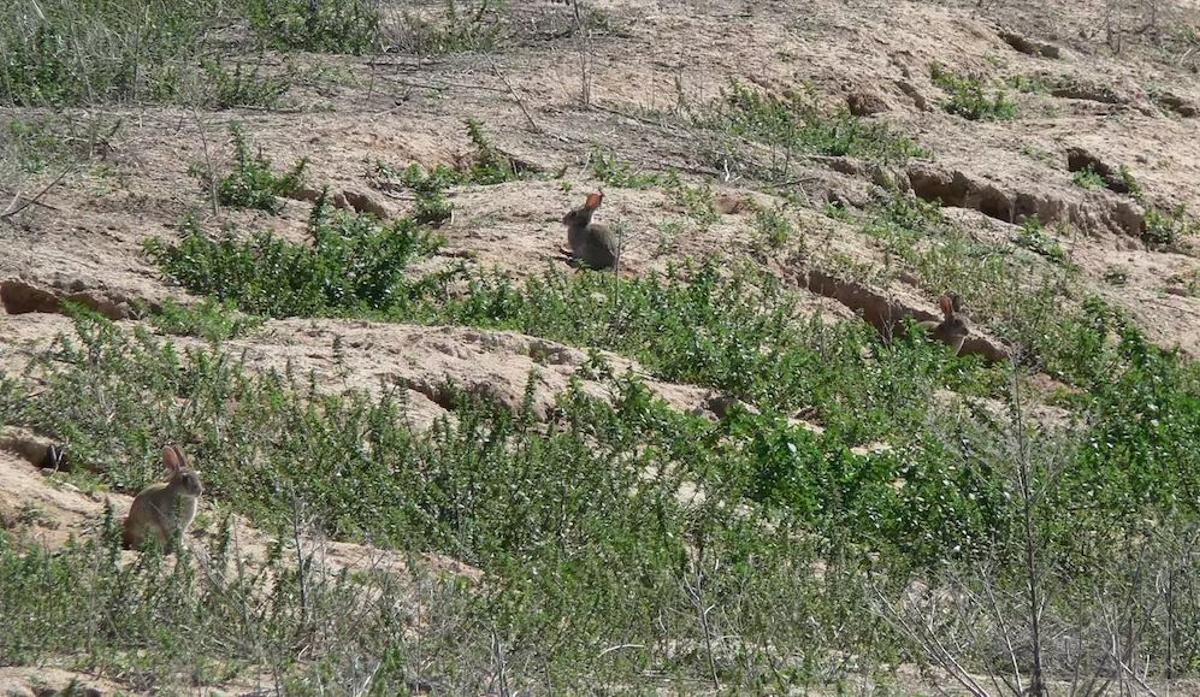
[(319, 246)]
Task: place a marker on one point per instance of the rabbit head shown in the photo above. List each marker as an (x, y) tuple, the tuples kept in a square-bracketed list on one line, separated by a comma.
[(953, 324), (582, 216), (183, 479)]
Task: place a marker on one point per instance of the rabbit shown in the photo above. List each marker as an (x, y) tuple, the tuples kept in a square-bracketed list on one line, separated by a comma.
[(595, 245), (952, 329), (165, 509)]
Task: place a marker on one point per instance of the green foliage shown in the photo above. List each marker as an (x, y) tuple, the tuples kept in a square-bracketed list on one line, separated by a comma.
[(207, 319), (1088, 178), (489, 166), (1034, 237), (576, 522), (1028, 84), (1164, 228), (1131, 183), (773, 227), (969, 97), (252, 183), (463, 26), (613, 172), (60, 53), (323, 26), (485, 166), (244, 86), (354, 265), (698, 202), (797, 125)]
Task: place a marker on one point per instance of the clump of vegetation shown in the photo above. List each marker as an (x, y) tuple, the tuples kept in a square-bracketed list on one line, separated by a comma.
[(244, 86), (346, 26), (608, 168), (969, 97), (252, 183), (1028, 84), (354, 265), (1160, 228), (209, 319), (462, 27), (1088, 178), (1116, 275), (485, 165), (1165, 228), (60, 53), (772, 227), (796, 125), (1033, 236)]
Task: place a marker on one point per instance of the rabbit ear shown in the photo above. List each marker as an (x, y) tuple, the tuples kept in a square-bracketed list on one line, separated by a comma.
[(947, 305), (593, 201), (173, 458)]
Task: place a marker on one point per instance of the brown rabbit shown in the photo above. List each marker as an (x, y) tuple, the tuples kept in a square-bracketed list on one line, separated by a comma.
[(952, 329), (165, 509), (594, 245)]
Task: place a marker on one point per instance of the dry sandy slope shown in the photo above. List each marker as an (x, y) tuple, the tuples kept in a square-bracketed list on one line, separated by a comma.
[(85, 243)]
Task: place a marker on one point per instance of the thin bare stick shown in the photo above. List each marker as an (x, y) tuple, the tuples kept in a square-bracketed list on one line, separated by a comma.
[(516, 97), (9, 211), (585, 57), (1037, 684), (212, 173)]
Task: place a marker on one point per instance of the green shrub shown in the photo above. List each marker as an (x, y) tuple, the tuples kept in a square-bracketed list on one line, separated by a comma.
[(320, 26), (969, 98), (1034, 237), (207, 319), (354, 265), (798, 125), (1088, 178), (252, 183)]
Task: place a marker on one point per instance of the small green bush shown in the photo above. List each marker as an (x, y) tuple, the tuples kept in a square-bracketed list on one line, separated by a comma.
[(319, 26), (1033, 237), (969, 98), (1088, 178), (252, 183), (354, 265), (798, 125), (207, 319)]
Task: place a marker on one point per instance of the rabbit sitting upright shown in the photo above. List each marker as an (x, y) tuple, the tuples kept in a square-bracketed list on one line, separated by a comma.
[(592, 244), (952, 329), (166, 509)]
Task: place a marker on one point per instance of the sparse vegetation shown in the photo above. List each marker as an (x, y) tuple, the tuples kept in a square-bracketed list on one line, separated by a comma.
[(251, 183), (612, 171), (774, 230), (969, 96), (347, 26), (1033, 236), (1088, 178), (459, 27), (795, 126)]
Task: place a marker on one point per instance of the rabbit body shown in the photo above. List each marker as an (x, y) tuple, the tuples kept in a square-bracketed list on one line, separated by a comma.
[(952, 329), (595, 245), (165, 509)]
